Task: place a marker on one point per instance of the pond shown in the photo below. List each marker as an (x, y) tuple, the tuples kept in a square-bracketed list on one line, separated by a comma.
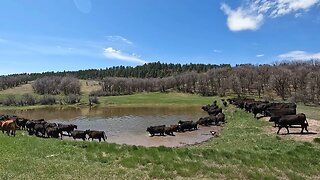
[(127, 125)]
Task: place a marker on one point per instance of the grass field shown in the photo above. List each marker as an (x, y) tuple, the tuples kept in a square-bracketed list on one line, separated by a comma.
[(140, 99), (242, 151)]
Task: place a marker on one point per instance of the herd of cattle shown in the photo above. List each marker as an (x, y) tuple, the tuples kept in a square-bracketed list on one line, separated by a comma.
[(284, 115), (216, 117), (41, 128)]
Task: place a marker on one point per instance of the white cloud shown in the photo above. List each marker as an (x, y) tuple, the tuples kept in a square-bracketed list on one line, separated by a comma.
[(118, 39), (217, 51), (259, 55), (283, 7), (251, 15), (299, 55), (241, 19), (117, 54)]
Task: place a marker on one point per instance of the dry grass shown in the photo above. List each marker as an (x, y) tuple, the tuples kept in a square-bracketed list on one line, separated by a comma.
[(86, 87), (89, 85), (26, 88)]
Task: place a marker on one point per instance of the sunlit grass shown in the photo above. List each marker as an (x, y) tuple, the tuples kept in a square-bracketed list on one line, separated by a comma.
[(242, 151)]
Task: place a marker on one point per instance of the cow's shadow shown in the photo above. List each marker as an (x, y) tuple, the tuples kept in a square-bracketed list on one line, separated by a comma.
[(298, 133), (160, 135)]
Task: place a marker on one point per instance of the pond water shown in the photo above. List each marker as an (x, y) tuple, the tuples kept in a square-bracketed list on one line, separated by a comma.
[(127, 125)]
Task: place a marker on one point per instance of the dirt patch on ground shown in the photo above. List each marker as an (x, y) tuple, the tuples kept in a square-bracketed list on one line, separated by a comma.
[(314, 130)]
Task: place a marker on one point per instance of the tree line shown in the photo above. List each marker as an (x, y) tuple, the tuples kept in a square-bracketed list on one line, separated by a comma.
[(299, 81), (11, 81), (150, 70)]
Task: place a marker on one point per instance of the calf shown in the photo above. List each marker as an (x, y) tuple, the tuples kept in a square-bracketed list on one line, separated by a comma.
[(288, 120), (97, 135)]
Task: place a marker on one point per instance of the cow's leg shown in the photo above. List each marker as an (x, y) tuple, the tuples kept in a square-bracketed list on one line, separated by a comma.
[(279, 129), (99, 139), (287, 129), (104, 139)]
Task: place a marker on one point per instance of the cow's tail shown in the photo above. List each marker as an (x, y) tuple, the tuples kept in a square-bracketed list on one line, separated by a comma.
[(306, 121)]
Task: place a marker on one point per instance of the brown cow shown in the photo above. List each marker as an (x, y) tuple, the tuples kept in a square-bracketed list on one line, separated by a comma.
[(9, 126)]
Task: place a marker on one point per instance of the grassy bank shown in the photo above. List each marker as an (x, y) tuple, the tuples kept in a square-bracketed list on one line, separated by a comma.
[(242, 151), (140, 99)]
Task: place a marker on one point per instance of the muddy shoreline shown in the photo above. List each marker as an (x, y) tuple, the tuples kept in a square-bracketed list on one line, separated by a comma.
[(180, 139)]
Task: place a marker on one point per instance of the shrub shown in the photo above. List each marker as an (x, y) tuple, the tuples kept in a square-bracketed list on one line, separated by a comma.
[(93, 99), (47, 100), (28, 99), (72, 99), (10, 101)]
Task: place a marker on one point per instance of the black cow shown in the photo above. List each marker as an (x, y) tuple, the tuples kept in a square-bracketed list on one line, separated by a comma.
[(168, 131), (207, 107), (39, 128), (225, 103), (220, 118), (50, 125), (207, 121), (288, 120), (187, 125), (54, 132), (21, 123), (156, 130), (30, 125), (258, 108), (214, 111), (67, 128), (97, 135), (281, 112), (77, 134)]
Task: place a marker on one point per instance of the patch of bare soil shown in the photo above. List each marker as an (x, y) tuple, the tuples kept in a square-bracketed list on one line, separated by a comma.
[(313, 128)]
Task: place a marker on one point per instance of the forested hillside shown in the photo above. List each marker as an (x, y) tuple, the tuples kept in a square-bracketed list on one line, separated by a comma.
[(299, 81)]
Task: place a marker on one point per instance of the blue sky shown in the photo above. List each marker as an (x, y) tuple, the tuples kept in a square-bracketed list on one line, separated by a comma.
[(57, 35)]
